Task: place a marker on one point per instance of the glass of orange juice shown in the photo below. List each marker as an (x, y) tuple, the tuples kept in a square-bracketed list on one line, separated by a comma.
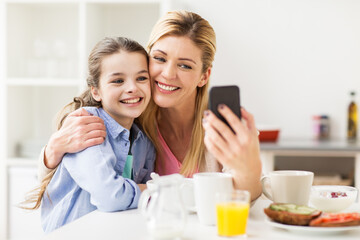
[(232, 210)]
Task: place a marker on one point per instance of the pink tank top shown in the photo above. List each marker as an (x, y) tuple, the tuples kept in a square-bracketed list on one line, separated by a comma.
[(166, 162)]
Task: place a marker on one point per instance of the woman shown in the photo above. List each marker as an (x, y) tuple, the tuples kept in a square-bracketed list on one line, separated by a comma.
[(181, 47)]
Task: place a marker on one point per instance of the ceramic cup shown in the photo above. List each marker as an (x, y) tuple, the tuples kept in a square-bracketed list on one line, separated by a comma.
[(206, 186), (289, 186)]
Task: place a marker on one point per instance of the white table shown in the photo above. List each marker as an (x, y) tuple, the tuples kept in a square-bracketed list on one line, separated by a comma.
[(311, 148), (130, 225)]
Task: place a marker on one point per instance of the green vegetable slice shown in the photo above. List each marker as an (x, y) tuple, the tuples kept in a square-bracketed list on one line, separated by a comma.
[(292, 208)]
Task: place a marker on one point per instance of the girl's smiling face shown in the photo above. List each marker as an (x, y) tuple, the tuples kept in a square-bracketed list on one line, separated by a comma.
[(176, 71), (124, 86)]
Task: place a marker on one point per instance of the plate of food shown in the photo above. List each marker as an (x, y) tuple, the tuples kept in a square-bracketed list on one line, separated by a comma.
[(298, 218), (308, 229)]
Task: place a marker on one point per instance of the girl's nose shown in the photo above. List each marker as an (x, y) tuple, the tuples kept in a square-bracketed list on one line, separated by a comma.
[(169, 71), (131, 86)]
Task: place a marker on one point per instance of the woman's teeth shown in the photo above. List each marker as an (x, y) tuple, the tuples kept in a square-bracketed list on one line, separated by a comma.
[(167, 88), (134, 100)]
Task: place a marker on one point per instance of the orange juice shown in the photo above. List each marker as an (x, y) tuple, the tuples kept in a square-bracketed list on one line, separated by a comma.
[(232, 218)]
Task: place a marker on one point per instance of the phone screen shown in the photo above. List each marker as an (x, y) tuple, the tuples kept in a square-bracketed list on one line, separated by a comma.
[(228, 95)]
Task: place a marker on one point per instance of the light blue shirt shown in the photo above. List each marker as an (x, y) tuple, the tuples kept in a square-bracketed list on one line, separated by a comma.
[(92, 179)]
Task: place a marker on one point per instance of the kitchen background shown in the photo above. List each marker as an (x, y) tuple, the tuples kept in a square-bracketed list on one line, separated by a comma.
[(291, 59)]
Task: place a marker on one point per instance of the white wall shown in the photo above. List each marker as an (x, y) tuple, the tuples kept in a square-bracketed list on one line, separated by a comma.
[(291, 58)]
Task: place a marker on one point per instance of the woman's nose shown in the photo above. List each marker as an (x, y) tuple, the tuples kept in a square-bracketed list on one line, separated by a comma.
[(169, 71)]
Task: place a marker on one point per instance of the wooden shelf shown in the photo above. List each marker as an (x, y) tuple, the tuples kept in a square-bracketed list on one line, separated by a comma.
[(22, 162)]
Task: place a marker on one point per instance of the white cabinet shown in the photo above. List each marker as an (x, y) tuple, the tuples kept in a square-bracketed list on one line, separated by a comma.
[(23, 224), (43, 55), (42, 40)]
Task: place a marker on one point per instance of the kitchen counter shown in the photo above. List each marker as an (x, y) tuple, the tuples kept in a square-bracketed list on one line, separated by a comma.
[(131, 225), (310, 148), (311, 145)]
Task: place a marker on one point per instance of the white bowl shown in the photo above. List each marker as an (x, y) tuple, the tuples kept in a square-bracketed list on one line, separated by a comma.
[(332, 198)]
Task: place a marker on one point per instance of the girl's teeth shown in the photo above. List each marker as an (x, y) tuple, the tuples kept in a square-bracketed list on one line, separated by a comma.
[(135, 100), (167, 88)]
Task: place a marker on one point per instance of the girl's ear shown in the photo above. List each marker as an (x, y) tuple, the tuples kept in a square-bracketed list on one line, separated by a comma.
[(95, 93), (205, 77)]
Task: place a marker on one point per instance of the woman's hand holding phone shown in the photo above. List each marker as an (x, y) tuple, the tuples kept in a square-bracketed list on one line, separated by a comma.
[(237, 150)]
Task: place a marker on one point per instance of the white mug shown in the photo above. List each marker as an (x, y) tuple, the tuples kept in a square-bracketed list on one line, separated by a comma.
[(206, 186), (288, 186)]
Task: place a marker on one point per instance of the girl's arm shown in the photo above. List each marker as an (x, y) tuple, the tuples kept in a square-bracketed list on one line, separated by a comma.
[(93, 170), (239, 152)]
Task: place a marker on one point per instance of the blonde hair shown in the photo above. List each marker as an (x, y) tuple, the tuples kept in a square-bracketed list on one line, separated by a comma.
[(105, 47), (193, 26)]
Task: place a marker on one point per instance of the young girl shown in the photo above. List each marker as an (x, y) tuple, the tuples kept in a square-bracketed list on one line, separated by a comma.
[(104, 177)]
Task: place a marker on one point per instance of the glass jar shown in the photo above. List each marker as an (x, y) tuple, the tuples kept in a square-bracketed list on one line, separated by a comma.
[(324, 127)]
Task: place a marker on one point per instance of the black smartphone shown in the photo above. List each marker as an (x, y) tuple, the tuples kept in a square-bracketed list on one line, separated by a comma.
[(228, 95)]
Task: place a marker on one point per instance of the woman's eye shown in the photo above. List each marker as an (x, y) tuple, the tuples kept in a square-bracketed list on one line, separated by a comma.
[(185, 66), (142, 78), (160, 59)]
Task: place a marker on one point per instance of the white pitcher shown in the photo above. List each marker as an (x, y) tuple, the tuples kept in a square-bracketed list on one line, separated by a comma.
[(163, 207)]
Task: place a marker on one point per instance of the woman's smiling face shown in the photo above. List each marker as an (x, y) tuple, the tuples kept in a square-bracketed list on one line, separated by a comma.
[(176, 71)]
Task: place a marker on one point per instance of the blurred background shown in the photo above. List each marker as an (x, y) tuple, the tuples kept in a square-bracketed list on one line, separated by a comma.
[(292, 60)]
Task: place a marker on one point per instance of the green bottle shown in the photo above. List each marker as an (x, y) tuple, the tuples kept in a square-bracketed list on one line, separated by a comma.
[(352, 119)]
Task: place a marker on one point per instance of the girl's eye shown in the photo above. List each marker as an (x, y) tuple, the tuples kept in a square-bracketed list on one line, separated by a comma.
[(118, 81), (142, 78), (185, 66), (160, 59)]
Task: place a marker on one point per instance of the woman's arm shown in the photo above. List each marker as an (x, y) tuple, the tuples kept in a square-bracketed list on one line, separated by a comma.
[(42, 169), (80, 130), (239, 152), (142, 186)]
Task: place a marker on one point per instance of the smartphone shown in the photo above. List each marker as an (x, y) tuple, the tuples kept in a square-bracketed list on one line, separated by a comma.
[(228, 95)]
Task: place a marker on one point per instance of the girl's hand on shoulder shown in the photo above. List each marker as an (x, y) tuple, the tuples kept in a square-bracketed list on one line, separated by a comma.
[(80, 130), (238, 151)]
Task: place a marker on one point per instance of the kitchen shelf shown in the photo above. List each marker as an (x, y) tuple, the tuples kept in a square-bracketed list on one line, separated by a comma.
[(22, 162), (100, 17), (70, 82), (31, 114), (51, 46)]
